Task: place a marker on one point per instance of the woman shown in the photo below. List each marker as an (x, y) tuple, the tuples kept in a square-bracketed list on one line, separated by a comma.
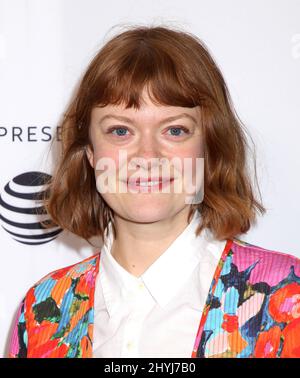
[(172, 279)]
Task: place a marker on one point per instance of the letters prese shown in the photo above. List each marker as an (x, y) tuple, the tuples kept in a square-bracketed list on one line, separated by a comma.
[(19, 134)]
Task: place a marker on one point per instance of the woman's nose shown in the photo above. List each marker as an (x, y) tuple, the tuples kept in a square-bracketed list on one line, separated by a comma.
[(147, 155), (148, 147)]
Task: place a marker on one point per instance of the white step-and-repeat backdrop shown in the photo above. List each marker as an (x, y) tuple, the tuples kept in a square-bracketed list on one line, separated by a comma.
[(44, 47)]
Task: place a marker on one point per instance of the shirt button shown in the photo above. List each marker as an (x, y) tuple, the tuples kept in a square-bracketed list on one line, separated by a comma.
[(141, 286), (129, 345)]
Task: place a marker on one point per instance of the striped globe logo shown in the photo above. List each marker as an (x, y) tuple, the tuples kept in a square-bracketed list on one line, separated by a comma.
[(21, 209)]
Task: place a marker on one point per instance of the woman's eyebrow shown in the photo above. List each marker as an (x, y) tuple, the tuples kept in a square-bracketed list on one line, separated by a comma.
[(168, 119)]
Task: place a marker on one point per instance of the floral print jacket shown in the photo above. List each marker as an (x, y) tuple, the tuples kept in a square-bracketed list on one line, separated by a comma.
[(252, 309)]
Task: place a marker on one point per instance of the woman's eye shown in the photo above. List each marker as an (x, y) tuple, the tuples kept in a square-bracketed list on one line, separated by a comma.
[(118, 131), (176, 131)]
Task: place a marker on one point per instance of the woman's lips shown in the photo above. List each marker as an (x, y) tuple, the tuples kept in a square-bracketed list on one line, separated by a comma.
[(149, 184)]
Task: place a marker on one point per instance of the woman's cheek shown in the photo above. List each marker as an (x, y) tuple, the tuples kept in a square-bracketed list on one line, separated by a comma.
[(106, 155), (106, 168)]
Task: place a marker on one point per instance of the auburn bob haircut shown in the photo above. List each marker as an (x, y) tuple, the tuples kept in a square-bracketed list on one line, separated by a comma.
[(178, 70)]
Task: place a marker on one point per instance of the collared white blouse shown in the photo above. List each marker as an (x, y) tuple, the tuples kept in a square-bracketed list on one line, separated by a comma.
[(158, 313)]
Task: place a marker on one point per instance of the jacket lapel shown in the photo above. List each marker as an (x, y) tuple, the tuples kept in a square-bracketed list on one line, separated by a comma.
[(205, 332), (60, 312)]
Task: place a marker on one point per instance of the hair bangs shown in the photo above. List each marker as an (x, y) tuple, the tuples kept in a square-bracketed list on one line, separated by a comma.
[(148, 68)]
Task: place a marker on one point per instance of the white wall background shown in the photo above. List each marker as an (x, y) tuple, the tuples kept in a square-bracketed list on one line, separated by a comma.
[(46, 44)]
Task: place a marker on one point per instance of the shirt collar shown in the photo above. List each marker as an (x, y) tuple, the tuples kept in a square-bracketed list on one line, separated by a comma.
[(166, 275)]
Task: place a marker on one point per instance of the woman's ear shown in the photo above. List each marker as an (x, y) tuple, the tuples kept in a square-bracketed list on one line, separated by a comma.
[(90, 155)]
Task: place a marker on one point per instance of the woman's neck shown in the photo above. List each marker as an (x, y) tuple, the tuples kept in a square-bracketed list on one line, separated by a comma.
[(138, 245)]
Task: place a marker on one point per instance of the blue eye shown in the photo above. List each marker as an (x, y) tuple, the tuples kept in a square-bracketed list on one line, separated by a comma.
[(177, 130), (121, 131)]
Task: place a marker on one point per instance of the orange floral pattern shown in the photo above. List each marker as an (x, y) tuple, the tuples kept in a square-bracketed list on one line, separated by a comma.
[(253, 307)]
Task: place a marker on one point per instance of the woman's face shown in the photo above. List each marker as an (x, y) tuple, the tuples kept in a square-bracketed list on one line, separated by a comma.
[(146, 144)]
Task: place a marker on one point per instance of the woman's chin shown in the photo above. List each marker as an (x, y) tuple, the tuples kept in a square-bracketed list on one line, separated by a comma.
[(147, 214)]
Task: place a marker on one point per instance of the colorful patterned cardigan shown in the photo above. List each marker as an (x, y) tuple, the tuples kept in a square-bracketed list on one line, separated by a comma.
[(252, 309)]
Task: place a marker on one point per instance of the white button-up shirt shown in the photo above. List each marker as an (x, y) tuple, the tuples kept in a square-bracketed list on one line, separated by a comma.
[(158, 313)]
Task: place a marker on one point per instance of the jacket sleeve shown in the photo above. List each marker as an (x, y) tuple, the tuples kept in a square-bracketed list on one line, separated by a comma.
[(18, 341)]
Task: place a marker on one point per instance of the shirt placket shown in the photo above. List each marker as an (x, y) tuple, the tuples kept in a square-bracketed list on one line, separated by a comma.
[(139, 302)]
